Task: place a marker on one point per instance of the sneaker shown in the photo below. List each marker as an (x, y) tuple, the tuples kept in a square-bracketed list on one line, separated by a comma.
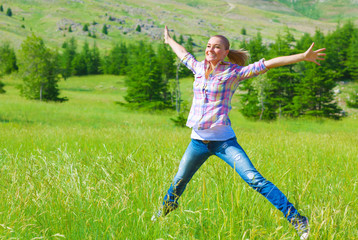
[(164, 210), (301, 225)]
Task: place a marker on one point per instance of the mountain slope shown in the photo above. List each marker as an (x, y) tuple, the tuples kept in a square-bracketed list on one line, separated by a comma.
[(198, 18)]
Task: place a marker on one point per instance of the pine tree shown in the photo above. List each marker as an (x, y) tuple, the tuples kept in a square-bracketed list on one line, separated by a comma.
[(280, 94), (85, 27), (304, 43), (166, 61), (145, 86), (82, 61), (87, 56), (352, 56), (8, 61), (69, 29), (39, 70), (116, 61), (314, 93), (9, 12), (253, 102), (95, 64), (2, 87), (243, 31), (256, 48), (1, 8), (181, 39), (272, 97), (105, 29), (352, 101), (337, 52), (138, 29), (183, 70), (69, 53), (79, 65)]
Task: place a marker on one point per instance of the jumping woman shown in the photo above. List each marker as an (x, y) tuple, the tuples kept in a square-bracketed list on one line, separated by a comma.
[(212, 134)]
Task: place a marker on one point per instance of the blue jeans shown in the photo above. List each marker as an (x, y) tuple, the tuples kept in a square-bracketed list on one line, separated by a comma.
[(233, 154)]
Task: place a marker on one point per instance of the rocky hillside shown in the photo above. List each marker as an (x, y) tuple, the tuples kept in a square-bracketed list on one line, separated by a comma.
[(56, 20)]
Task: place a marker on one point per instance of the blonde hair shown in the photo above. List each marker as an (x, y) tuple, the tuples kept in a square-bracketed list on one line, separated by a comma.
[(238, 57)]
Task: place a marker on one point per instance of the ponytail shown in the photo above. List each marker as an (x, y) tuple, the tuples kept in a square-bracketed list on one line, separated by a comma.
[(238, 57)]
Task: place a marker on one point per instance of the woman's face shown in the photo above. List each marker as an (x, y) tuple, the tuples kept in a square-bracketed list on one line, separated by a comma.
[(215, 50)]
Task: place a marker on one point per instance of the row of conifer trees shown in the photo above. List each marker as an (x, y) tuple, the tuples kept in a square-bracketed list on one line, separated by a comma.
[(294, 90)]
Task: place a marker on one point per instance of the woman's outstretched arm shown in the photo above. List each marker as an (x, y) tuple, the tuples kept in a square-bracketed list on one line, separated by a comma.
[(178, 49), (309, 55)]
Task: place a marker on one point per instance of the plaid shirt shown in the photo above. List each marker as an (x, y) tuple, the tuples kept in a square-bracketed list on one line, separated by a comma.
[(212, 97)]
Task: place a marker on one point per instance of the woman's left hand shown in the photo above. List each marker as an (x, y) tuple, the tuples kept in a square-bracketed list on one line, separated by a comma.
[(313, 56)]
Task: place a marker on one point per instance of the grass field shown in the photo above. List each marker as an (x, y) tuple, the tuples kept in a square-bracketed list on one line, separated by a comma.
[(90, 169)]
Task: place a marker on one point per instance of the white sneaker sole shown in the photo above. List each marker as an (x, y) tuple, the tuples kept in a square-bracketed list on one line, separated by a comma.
[(304, 236)]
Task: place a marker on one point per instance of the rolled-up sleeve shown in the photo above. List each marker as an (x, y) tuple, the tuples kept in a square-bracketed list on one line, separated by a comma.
[(190, 62), (251, 70)]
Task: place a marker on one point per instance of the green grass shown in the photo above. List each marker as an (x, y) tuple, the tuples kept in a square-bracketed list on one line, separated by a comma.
[(90, 169)]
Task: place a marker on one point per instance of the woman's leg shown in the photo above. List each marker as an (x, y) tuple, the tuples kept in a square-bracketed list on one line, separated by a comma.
[(195, 155), (233, 154)]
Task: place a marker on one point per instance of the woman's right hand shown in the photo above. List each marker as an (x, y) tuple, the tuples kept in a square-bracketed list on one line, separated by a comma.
[(177, 48)]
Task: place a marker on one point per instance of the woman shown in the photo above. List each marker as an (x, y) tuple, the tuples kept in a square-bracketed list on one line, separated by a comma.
[(215, 82)]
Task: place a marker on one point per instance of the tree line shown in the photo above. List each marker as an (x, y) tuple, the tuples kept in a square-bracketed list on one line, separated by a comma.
[(303, 88), (152, 72), (149, 71)]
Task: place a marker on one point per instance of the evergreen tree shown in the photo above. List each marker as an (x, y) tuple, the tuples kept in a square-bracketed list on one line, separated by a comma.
[(82, 61), (189, 44), (280, 94), (352, 101), (166, 61), (79, 65), (181, 39), (95, 63), (69, 29), (304, 43), (183, 70), (69, 53), (2, 87), (116, 61), (9, 12), (272, 97), (282, 80), (39, 70), (105, 29), (256, 48), (1, 8), (85, 27), (337, 52), (138, 29), (253, 101), (252, 107), (243, 31), (7, 59), (352, 56), (315, 93), (145, 85)]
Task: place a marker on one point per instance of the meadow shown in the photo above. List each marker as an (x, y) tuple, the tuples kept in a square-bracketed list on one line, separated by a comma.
[(89, 168)]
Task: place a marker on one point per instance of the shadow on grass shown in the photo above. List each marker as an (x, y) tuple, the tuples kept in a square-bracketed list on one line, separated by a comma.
[(22, 121)]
